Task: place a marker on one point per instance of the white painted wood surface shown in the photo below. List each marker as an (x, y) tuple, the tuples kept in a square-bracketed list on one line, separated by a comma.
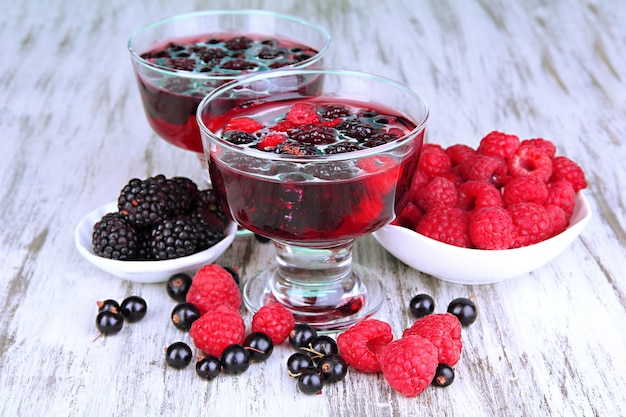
[(72, 132)]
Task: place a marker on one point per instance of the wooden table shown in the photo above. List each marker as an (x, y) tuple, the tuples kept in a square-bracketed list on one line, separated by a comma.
[(550, 343)]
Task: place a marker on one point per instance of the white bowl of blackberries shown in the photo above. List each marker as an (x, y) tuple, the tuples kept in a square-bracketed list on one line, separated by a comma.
[(158, 227)]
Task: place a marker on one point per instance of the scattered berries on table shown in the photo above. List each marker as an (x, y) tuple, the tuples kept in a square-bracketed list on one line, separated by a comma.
[(177, 286), (333, 368), (504, 194), (208, 367), (274, 320), (133, 308), (362, 344), (301, 335), (443, 330), (235, 359), (444, 375), (178, 355), (109, 322), (183, 315), (409, 364), (108, 304), (259, 346), (310, 381), (421, 305), (298, 362), (217, 329)]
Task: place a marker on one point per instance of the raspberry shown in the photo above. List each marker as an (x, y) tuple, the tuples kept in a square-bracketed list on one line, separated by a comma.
[(385, 170), (543, 144), (445, 224), (530, 160), (212, 286), (217, 329), (566, 169), (409, 364), (302, 114), (459, 152), (270, 142), (362, 344), (434, 161), (474, 195), (491, 228), (561, 193), (531, 223), (488, 168), (522, 189), (444, 331), (243, 124), (439, 191), (499, 144), (409, 216), (275, 321), (558, 219)]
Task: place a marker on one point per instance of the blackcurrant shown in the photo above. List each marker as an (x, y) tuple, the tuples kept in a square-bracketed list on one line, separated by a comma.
[(178, 355), (298, 362), (311, 381), (178, 286), (110, 305), (208, 367), (109, 322), (235, 359), (133, 308), (444, 375), (301, 335), (233, 273), (322, 346), (333, 368), (464, 309), (259, 346), (421, 305), (183, 315)]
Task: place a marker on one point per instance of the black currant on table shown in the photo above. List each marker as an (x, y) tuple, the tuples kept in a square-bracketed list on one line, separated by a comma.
[(321, 346), (178, 285), (233, 272), (259, 346), (311, 381), (133, 308), (178, 355), (208, 367), (421, 305), (109, 322), (235, 359), (332, 367), (298, 362), (183, 315), (444, 376), (464, 309), (109, 304), (301, 335)]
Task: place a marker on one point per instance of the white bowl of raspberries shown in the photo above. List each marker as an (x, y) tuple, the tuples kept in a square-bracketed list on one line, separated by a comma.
[(158, 227), (483, 215)]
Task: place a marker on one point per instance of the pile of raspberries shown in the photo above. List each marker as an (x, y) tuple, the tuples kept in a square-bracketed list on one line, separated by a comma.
[(507, 193)]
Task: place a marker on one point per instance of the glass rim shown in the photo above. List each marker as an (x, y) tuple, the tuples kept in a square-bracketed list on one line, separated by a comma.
[(420, 125), (136, 55)]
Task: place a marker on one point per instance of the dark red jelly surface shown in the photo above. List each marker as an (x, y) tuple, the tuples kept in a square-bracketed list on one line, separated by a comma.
[(314, 202), (170, 101)]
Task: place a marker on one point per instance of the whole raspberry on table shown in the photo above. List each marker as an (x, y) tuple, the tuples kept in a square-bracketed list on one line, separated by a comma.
[(211, 287), (362, 344), (409, 364), (491, 228), (218, 329), (445, 224), (275, 321), (444, 331)]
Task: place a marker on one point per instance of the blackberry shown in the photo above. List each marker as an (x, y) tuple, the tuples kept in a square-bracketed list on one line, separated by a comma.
[(379, 139), (238, 43), (209, 208), (269, 53), (314, 135), (357, 129), (183, 193), (240, 138), (334, 111), (115, 238), (239, 65), (331, 171), (207, 233), (174, 238), (343, 147), (145, 202), (184, 64), (211, 54)]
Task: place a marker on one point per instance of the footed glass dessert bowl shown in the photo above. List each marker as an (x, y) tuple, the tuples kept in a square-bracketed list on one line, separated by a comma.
[(179, 60), (313, 159)]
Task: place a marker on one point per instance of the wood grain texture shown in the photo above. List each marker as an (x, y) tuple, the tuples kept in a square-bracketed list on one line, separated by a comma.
[(72, 132)]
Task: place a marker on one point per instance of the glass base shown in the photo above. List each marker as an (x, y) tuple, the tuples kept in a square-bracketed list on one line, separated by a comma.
[(325, 306)]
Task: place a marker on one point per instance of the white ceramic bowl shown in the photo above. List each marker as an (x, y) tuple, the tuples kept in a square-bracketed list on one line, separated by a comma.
[(145, 271), (474, 266)]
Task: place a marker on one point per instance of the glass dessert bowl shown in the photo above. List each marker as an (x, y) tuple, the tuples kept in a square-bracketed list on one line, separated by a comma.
[(313, 159), (179, 60)]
